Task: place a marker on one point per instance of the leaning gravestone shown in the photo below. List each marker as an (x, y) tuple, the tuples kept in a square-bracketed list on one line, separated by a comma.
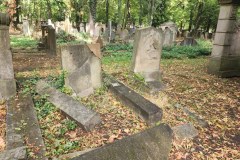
[(7, 81), (168, 40), (189, 41), (147, 53), (82, 63)]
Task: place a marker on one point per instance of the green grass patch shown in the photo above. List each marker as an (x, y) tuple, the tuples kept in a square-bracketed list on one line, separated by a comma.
[(23, 42), (122, 53)]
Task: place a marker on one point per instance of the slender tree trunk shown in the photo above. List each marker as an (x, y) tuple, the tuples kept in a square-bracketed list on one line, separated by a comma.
[(119, 11), (190, 21), (49, 9), (151, 11), (198, 18), (126, 14), (107, 12), (140, 12)]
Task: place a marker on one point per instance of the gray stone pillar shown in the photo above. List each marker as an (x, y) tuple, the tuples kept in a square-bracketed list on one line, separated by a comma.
[(7, 81), (225, 62)]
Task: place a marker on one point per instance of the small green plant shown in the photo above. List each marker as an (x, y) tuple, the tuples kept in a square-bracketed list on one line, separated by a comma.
[(71, 125)]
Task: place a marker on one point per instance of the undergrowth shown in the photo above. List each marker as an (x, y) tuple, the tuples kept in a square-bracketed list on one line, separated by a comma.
[(121, 52)]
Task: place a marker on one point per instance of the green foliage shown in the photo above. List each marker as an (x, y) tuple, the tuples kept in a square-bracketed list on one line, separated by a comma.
[(179, 52), (23, 42), (118, 47), (64, 37)]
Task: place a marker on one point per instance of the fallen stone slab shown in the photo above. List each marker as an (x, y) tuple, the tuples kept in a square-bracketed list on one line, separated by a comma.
[(14, 138), (145, 109), (154, 143), (185, 131), (19, 153), (197, 118), (31, 129), (22, 122), (85, 117)]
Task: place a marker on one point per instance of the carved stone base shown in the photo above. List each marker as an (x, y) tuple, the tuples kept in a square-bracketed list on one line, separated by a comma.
[(225, 66)]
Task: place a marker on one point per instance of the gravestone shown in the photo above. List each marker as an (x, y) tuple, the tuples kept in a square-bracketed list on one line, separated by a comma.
[(26, 28), (82, 62), (124, 35), (147, 53), (189, 41), (168, 37), (225, 57), (7, 81), (51, 41), (174, 28)]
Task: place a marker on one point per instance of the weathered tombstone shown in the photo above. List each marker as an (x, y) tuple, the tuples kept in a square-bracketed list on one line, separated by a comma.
[(26, 28), (82, 27), (82, 62), (168, 37), (147, 53), (7, 81), (124, 35), (189, 41), (51, 41), (173, 28), (225, 58)]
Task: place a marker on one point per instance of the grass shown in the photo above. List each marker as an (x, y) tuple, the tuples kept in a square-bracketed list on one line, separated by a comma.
[(23, 42), (123, 52)]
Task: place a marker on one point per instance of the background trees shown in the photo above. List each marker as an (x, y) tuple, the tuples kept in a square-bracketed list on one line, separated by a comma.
[(187, 14)]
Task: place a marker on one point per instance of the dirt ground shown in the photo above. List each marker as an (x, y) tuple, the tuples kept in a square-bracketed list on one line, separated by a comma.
[(216, 100)]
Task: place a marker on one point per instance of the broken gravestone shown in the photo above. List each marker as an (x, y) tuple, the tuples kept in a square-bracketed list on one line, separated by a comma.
[(83, 66), (147, 54), (7, 81), (152, 144)]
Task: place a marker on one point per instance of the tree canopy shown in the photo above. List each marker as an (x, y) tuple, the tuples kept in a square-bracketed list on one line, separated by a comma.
[(187, 14)]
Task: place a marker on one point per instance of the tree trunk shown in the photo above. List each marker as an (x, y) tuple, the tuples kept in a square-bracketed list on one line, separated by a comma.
[(107, 12), (190, 21), (126, 14), (140, 12), (151, 11), (49, 9), (119, 11)]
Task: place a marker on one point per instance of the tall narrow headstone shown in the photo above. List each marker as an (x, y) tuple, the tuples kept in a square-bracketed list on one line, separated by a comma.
[(7, 81), (168, 40), (147, 53), (83, 66), (225, 58), (26, 28)]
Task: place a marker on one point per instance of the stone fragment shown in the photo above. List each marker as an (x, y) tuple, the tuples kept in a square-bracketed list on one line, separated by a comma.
[(153, 144), (85, 117), (185, 131), (19, 153)]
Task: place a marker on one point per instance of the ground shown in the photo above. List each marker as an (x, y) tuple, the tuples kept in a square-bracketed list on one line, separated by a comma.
[(187, 83)]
